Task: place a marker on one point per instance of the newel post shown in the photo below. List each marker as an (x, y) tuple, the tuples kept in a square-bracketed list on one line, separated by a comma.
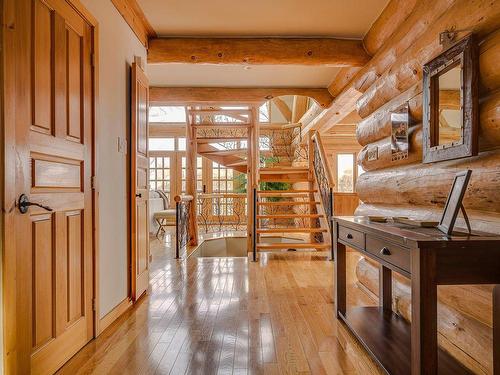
[(191, 153)]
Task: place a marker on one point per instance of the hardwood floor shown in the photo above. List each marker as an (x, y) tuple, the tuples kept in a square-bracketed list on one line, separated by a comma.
[(231, 316)]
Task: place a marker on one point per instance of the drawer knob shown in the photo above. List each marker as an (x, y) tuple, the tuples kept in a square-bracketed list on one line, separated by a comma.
[(385, 251), (349, 235)]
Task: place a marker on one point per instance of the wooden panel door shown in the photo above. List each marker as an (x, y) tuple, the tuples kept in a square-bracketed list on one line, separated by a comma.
[(53, 165), (139, 182)]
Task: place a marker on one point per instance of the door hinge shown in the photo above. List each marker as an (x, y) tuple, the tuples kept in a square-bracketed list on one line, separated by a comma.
[(93, 182), (93, 304), (92, 59)]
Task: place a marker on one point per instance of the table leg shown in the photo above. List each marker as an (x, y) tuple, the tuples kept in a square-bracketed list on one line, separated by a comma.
[(159, 228), (385, 287), (424, 344), (340, 278), (496, 329)]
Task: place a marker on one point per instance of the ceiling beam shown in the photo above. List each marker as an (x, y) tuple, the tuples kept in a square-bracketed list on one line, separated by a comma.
[(232, 95), (283, 108), (134, 16), (258, 51)]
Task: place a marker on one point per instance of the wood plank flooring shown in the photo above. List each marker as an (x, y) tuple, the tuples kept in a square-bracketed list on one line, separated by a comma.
[(231, 316)]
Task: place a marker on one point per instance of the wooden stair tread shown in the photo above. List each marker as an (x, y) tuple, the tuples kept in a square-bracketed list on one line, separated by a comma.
[(203, 140), (224, 152), (291, 180), (237, 164), (294, 191), (288, 203), (291, 230), (292, 245), (283, 170), (289, 216), (208, 125)]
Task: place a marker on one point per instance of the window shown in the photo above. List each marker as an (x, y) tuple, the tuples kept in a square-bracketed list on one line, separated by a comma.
[(181, 144), (222, 182), (159, 173), (264, 112), (161, 144), (199, 174), (167, 114), (265, 143), (345, 173)]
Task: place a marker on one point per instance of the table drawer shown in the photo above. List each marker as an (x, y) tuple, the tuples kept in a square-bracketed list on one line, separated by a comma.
[(354, 237), (394, 254)]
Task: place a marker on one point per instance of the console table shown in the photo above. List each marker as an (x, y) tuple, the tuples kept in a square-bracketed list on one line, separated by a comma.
[(429, 258)]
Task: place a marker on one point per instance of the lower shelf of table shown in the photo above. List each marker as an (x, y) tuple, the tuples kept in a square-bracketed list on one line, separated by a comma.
[(387, 337)]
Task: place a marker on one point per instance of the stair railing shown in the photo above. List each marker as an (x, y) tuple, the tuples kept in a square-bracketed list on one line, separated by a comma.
[(324, 180), (182, 206)]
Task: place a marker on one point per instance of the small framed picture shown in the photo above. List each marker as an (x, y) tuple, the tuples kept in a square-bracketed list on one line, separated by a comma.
[(454, 202)]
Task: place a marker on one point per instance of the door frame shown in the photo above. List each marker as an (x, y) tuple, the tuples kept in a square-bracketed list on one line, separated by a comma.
[(11, 349)]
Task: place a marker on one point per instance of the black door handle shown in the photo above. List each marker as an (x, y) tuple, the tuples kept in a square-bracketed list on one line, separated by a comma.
[(349, 235), (24, 203), (385, 251), (139, 195)]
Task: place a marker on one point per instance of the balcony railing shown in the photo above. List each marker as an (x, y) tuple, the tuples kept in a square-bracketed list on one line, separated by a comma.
[(222, 211), (182, 207)]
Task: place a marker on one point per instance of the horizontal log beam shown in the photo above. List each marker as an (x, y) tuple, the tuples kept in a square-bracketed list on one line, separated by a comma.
[(396, 53), (239, 95), (429, 184), (378, 125), (391, 18), (479, 17), (258, 51)]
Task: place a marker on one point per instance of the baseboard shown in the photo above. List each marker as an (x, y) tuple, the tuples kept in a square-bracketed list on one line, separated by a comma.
[(114, 314)]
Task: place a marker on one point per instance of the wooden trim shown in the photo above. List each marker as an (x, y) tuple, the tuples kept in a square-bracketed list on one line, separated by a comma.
[(258, 51), (135, 18), (114, 314), (228, 95)]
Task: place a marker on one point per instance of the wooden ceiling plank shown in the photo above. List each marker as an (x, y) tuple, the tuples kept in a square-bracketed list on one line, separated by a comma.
[(232, 95), (258, 51)]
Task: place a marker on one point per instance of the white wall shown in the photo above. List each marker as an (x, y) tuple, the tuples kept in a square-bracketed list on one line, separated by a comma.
[(117, 47)]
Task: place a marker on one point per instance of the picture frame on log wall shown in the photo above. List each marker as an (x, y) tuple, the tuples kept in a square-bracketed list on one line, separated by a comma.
[(450, 103), (454, 203)]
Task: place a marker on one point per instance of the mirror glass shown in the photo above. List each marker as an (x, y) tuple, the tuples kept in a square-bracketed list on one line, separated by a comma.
[(450, 114)]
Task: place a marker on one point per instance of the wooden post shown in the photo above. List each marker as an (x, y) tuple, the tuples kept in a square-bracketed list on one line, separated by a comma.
[(191, 153), (496, 329), (252, 171), (424, 344), (312, 207), (385, 287), (340, 275)]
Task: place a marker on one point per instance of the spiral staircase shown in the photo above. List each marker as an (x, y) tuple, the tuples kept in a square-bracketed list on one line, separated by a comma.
[(284, 220)]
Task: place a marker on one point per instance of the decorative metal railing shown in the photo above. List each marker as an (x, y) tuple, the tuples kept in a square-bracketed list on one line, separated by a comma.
[(182, 207), (324, 181), (222, 211), (282, 145)]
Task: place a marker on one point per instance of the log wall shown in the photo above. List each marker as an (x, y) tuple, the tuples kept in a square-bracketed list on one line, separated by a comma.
[(410, 188)]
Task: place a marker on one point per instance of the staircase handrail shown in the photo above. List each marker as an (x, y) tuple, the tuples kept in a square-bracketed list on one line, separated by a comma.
[(319, 149), (324, 180)]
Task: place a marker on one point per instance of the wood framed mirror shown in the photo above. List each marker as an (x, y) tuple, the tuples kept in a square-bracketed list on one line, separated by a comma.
[(450, 100)]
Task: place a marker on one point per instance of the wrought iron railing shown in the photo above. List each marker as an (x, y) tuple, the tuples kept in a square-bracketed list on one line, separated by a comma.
[(282, 145), (324, 181), (222, 211), (182, 207)]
